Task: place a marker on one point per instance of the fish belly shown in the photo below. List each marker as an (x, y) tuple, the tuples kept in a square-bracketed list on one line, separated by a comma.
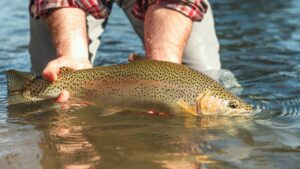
[(133, 94)]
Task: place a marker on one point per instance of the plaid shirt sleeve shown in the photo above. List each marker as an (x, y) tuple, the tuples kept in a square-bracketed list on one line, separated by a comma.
[(194, 9), (44, 7)]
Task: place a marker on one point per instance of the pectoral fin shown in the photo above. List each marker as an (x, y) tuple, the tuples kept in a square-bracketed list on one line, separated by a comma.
[(188, 109), (109, 112)]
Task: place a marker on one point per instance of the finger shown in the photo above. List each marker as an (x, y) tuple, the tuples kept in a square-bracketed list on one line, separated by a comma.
[(50, 76), (51, 71), (63, 97)]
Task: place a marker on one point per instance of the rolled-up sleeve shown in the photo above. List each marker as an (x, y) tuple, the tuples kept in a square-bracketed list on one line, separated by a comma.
[(194, 9), (42, 8)]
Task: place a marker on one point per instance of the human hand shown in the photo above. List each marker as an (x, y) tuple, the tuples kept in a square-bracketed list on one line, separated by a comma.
[(69, 36), (51, 72)]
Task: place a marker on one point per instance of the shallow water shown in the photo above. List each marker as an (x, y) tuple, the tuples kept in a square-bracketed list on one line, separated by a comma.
[(260, 45)]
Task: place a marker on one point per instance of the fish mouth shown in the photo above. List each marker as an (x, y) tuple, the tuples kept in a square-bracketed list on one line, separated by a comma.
[(227, 112), (239, 113), (245, 110)]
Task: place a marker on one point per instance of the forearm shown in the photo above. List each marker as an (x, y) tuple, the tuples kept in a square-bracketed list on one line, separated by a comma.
[(68, 30), (166, 34), (69, 34)]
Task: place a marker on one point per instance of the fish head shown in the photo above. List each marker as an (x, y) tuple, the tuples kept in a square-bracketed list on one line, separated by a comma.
[(215, 103)]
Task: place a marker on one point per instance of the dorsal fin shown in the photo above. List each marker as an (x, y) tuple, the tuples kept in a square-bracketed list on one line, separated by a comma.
[(135, 57), (63, 70)]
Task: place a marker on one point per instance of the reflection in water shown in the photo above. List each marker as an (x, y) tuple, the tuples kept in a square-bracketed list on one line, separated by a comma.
[(72, 149), (81, 138), (84, 138), (63, 143)]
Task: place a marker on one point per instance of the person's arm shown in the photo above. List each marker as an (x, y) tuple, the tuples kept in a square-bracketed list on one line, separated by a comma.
[(69, 35), (166, 33)]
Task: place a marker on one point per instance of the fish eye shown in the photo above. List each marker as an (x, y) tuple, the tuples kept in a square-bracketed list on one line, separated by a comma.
[(233, 104)]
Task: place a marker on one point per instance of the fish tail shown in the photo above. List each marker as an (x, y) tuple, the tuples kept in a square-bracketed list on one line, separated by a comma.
[(16, 83)]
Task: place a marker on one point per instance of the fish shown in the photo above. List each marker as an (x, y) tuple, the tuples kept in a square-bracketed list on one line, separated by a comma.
[(158, 86)]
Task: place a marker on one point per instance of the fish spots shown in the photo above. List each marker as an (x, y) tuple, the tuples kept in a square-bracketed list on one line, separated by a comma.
[(135, 83)]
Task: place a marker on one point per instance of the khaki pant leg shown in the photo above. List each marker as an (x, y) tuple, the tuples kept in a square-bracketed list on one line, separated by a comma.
[(202, 50)]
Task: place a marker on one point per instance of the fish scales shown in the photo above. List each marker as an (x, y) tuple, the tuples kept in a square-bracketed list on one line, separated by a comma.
[(156, 72), (146, 84)]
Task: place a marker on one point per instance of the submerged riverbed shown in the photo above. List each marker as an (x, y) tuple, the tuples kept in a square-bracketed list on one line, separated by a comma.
[(260, 44)]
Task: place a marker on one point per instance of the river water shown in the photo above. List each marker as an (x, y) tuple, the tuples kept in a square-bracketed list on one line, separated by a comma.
[(260, 44)]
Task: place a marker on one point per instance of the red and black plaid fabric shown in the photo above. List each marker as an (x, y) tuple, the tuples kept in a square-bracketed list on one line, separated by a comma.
[(194, 9)]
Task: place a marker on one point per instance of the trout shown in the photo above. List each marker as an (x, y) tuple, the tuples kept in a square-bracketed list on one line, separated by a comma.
[(141, 85)]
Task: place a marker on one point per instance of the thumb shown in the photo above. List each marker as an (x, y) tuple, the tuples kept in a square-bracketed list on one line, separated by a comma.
[(51, 71)]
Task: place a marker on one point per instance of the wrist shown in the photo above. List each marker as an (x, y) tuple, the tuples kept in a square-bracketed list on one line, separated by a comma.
[(74, 58), (72, 50), (70, 61), (164, 56)]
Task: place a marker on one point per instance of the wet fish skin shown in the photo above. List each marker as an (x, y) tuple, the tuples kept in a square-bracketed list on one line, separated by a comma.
[(144, 84)]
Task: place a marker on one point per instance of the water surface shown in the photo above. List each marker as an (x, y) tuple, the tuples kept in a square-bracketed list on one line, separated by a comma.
[(259, 43)]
